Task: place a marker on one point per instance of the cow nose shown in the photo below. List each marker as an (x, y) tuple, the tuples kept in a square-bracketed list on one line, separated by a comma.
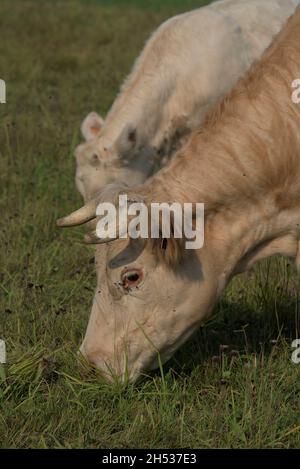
[(110, 368), (99, 361), (93, 355)]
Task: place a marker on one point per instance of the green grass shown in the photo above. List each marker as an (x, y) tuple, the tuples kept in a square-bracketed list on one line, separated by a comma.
[(234, 385), (169, 6)]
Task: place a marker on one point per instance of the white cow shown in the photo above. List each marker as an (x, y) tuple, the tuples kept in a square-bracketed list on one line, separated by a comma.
[(189, 62), (244, 165)]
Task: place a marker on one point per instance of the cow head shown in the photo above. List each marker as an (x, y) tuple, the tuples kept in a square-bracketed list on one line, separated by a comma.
[(106, 156), (143, 309), (150, 299)]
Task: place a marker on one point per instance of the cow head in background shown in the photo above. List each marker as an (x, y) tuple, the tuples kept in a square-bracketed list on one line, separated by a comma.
[(102, 159)]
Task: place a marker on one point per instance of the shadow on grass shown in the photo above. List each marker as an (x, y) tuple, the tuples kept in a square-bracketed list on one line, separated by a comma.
[(235, 329)]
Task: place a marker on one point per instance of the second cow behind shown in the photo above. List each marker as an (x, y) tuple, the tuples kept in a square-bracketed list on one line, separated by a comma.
[(188, 64)]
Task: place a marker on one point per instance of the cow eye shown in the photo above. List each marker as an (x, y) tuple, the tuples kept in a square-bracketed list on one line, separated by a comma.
[(131, 278)]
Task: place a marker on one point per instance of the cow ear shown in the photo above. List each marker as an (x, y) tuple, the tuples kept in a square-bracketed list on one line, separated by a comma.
[(91, 126), (126, 141)]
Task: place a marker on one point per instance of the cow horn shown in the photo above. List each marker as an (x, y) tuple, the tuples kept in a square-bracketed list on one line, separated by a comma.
[(80, 216), (92, 238)]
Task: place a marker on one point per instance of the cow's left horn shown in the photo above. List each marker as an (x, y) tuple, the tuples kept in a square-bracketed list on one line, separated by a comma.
[(80, 216), (92, 238)]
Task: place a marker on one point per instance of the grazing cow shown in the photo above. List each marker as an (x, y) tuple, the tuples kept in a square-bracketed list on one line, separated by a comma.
[(190, 62), (244, 164)]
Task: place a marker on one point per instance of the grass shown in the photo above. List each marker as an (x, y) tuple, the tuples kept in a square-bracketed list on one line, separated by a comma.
[(233, 386)]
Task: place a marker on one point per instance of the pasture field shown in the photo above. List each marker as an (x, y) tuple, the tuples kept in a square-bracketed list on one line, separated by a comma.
[(234, 385)]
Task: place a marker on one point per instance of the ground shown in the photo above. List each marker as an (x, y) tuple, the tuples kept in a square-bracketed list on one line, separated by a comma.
[(234, 385)]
